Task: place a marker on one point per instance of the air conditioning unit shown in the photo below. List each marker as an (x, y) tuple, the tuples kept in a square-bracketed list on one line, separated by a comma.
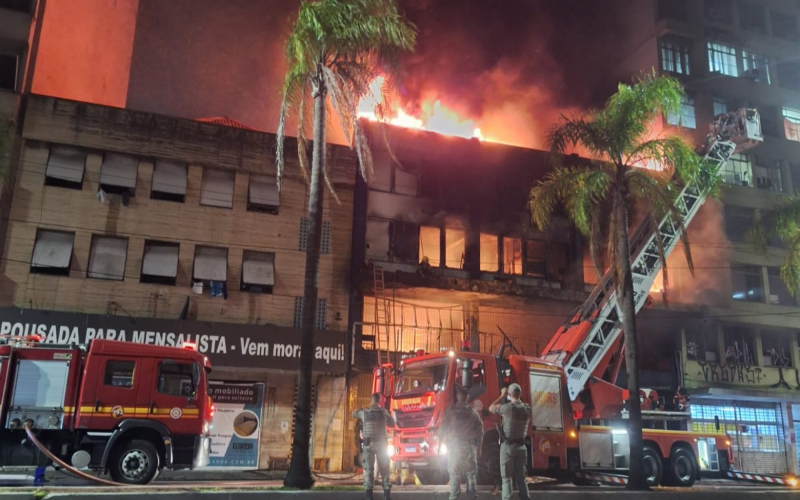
[(753, 74)]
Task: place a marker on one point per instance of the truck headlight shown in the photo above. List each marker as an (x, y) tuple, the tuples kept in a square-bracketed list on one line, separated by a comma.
[(206, 427), (390, 449), (442, 449)]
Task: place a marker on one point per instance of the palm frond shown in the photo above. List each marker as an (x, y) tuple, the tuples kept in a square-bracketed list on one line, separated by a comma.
[(579, 189), (671, 154), (790, 271)]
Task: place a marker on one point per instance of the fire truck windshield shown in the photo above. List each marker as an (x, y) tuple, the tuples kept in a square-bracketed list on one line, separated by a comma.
[(422, 376)]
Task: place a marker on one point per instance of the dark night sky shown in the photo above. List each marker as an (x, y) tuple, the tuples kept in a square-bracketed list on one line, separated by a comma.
[(194, 58)]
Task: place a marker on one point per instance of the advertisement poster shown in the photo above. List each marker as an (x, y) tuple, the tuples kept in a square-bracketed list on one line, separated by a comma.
[(236, 431)]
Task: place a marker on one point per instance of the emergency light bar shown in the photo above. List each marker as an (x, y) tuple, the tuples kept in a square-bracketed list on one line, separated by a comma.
[(190, 345)]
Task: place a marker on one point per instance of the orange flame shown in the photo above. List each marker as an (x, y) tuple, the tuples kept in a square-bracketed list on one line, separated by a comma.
[(436, 117)]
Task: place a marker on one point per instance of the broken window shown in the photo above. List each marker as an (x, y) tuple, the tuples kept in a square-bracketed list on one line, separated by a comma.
[(52, 252), (217, 188), (210, 264), (776, 348), (169, 181), (263, 195), (430, 245), (258, 271), (746, 283), (559, 258), (701, 344), (739, 344), (118, 174), (378, 239), (107, 258), (405, 242), (455, 245), (512, 256), (160, 262), (65, 167), (490, 261), (536, 259)]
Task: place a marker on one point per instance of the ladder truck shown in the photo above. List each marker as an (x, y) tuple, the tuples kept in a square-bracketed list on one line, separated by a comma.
[(571, 387)]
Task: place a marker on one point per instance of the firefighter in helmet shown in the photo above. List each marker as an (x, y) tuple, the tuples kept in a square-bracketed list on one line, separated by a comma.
[(375, 419), (513, 453), (462, 433)]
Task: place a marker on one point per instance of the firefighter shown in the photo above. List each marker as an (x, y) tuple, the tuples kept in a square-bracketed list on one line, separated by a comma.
[(513, 454), (375, 419), (462, 432)]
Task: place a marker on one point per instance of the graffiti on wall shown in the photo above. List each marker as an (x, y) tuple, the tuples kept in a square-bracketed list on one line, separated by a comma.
[(705, 373)]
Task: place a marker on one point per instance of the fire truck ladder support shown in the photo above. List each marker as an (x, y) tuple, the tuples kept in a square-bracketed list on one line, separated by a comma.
[(606, 327)]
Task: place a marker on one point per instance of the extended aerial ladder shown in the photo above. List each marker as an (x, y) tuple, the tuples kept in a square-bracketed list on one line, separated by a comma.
[(586, 344)]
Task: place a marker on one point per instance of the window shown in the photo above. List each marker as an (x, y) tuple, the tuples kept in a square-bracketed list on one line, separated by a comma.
[(455, 244), (536, 258), (701, 344), (118, 173), (776, 348), (675, 57), (8, 71), (263, 195), (512, 256), (784, 25), (789, 74), (378, 239), (756, 67), (119, 373), (687, 116), (160, 262), (778, 292), (720, 106), (672, 9), (258, 272), (217, 188), (176, 379), (769, 178), (52, 252), (107, 258), (210, 264), (406, 243), (746, 284), (18, 5), (430, 245), (791, 124), (169, 181), (490, 261), (718, 11), (65, 167), (738, 170), (737, 221), (739, 344), (752, 17), (769, 122), (722, 59)]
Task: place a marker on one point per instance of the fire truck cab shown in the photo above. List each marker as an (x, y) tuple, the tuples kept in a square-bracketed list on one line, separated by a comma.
[(120, 408)]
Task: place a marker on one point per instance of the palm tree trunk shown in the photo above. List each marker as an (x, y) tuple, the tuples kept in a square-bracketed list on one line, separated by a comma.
[(299, 475), (636, 479)]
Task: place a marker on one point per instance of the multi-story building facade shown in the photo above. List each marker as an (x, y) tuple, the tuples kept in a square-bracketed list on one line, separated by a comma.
[(738, 348), (159, 230)]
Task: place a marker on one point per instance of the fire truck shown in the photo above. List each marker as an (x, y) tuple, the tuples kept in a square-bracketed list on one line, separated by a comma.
[(120, 408), (578, 429)]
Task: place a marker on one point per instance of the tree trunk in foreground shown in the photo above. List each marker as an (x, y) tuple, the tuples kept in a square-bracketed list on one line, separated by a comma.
[(299, 475), (636, 479)]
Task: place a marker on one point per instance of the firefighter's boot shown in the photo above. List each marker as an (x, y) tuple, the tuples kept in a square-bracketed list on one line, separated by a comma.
[(387, 494), (368, 495), (38, 476)]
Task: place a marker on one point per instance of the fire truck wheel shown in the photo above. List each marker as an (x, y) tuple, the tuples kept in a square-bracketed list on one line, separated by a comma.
[(134, 462), (682, 470), (653, 467)]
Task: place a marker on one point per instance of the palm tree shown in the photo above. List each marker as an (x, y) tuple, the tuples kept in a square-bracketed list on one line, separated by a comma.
[(601, 197), (336, 49), (783, 221)]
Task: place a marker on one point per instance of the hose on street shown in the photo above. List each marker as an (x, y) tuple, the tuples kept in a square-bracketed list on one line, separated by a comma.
[(63, 464)]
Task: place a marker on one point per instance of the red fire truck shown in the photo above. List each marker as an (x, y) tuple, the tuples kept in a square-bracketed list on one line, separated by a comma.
[(125, 409), (578, 429)]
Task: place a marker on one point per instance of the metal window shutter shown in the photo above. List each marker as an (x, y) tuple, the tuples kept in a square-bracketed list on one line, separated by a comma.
[(211, 264), (107, 258), (169, 177), (217, 189), (264, 191), (258, 268), (66, 163), (53, 249), (119, 170), (40, 384), (378, 239), (160, 260)]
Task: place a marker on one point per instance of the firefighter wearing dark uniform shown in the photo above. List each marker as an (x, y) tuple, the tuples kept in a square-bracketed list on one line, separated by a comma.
[(375, 419), (513, 454), (462, 432)]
